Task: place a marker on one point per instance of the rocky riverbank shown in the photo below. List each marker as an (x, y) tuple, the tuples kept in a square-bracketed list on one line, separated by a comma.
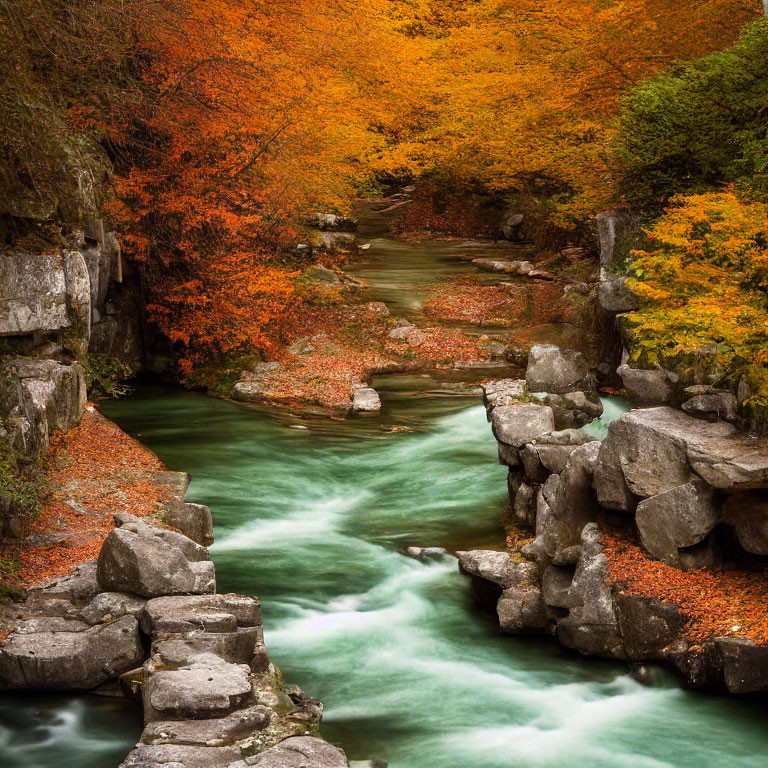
[(133, 609), (649, 546)]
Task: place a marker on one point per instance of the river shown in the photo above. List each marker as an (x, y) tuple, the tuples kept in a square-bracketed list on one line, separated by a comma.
[(312, 516)]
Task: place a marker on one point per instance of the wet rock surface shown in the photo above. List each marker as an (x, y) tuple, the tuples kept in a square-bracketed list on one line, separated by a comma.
[(668, 480), (195, 659)]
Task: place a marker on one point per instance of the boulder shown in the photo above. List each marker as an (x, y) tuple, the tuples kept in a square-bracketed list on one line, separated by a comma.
[(108, 606), (333, 222), (680, 517), (193, 520), (591, 626), (521, 610), (648, 387), (516, 425), (745, 664), (151, 562), (557, 371), (571, 498), (747, 512), (299, 752), (493, 572), (712, 406), (68, 656), (365, 399), (38, 397), (510, 228), (649, 450), (573, 409), (206, 687), (333, 242), (648, 626)]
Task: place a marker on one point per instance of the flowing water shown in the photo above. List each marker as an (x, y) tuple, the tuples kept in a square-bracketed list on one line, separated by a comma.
[(312, 516)]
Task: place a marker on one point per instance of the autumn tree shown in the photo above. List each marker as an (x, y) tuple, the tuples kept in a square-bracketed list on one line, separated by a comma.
[(699, 125), (703, 284)]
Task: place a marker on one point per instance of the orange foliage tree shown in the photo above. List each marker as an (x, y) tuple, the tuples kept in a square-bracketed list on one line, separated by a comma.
[(704, 283)]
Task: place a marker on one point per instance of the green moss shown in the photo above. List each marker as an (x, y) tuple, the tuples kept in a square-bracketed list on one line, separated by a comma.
[(105, 375), (17, 484)]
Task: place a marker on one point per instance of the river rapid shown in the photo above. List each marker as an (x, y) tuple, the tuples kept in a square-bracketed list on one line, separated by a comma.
[(312, 516)]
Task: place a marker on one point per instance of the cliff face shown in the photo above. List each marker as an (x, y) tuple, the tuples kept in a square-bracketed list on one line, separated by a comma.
[(62, 275)]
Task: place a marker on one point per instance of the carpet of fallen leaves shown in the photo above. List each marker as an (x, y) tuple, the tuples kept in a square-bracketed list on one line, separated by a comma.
[(350, 342), (92, 472), (726, 602), (467, 300)]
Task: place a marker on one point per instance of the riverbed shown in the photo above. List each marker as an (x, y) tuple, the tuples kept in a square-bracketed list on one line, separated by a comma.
[(313, 516)]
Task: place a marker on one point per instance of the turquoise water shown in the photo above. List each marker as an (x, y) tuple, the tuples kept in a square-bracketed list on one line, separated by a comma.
[(313, 520)]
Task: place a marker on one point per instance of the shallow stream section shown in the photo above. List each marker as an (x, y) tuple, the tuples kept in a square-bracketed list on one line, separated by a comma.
[(313, 520)]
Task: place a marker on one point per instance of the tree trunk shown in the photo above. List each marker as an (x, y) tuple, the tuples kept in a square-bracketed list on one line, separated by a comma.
[(765, 7)]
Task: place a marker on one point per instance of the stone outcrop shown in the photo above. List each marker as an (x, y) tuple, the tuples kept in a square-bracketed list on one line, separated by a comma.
[(145, 560), (619, 233), (195, 659), (38, 397), (675, 479), (655, 386), (557, 371), (515, 268)]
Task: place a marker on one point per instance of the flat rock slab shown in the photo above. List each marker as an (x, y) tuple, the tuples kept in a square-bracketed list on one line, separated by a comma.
[(184, 613), (497, 567), (66, 657), (298, 752), (516, 425), (217, 732), (207, 687)]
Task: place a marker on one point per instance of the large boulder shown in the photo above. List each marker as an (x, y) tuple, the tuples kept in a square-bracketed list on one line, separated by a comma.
[(674, 519), (516, 425), (65, 655), (648, 387), (38, 397), (650, 451), (143, 560), (557, 371)]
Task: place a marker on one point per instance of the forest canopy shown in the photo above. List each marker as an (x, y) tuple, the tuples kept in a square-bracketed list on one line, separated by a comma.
[(225, 122)]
